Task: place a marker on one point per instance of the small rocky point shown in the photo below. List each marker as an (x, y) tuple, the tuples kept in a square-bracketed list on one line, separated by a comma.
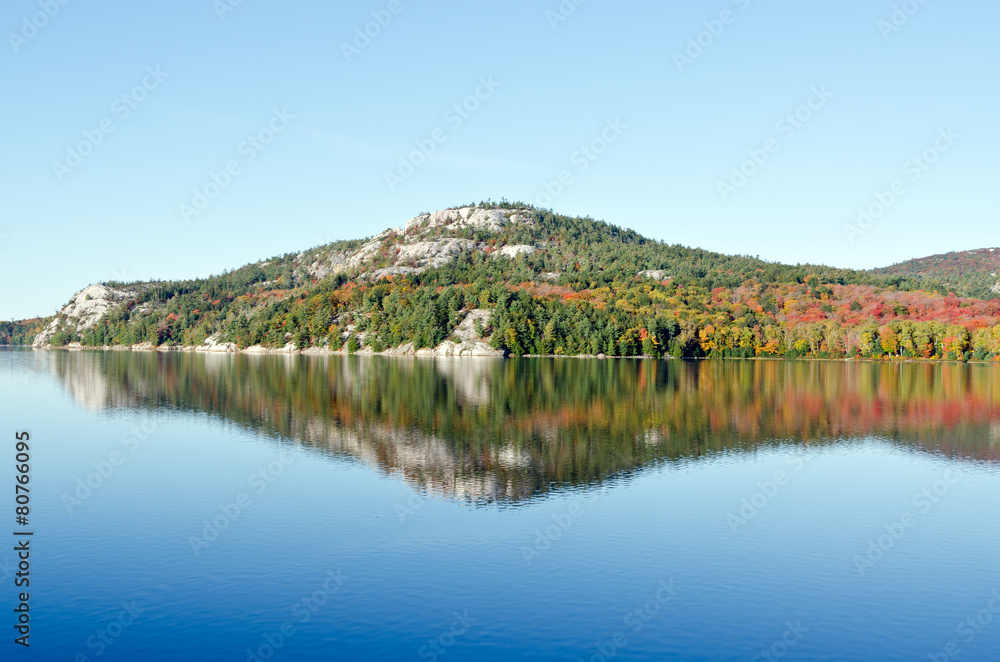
[(86, 309)]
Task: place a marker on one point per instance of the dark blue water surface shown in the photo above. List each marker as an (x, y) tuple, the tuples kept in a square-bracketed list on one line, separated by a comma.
[(327, 508)]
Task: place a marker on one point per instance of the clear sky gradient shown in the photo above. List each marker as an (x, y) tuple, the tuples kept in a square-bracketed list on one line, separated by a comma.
[(606, 78)]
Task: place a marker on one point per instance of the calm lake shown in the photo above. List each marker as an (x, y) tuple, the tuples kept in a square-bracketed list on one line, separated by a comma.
[(221, 507)]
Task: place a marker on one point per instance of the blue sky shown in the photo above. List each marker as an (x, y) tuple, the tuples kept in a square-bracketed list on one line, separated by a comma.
[(820, 105)]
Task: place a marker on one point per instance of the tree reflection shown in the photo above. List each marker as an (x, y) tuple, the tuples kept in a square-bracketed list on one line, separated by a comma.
[(486, 430)]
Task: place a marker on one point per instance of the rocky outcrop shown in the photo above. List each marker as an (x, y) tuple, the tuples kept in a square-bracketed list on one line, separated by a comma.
[(655, 274), (515, 250), (487, 220), (424, 255), (432, 254), (289, 348), (212, 344), (466, 340), (369, 250), (396, 271), (427, 241), (86, 309), (330, 263)]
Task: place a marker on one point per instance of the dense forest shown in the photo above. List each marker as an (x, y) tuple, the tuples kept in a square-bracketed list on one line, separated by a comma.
[(975, 273), (21, 332), (588, 288)]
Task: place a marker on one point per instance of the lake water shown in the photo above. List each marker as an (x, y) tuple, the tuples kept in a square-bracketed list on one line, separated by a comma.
[(220, 507)]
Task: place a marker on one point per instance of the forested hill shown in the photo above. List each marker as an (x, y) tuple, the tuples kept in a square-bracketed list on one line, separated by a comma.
[(511, 279), (975, 272)]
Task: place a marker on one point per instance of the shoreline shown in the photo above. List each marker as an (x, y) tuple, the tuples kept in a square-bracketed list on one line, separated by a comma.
[(405, 351)]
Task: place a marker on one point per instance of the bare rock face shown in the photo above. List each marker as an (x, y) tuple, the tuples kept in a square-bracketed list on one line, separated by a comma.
[(423, 243), (514, 250), (212, 344), (489, 220), (331, 263), (996, 288), (85, 310), (396, 271), (434, 253), (369, 250), (289, 348), (655, 274), (466, 339), (448, 216)]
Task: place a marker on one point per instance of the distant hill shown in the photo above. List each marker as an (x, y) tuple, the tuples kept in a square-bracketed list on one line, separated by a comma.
[(975, 272), (21, 332), (510, 279)]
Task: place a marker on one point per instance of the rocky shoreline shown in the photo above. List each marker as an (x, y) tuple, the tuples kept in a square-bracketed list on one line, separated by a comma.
[(407, 350), (443, 350), (402, 350), (457, 350)]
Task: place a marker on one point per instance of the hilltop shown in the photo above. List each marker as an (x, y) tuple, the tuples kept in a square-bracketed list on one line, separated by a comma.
[(976, 272), (509, 279)]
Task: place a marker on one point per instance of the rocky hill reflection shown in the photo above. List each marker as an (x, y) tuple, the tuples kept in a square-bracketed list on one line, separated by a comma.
[(485, 430)]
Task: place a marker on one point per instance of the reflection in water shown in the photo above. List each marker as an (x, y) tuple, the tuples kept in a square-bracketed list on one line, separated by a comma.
[(486, 430)]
